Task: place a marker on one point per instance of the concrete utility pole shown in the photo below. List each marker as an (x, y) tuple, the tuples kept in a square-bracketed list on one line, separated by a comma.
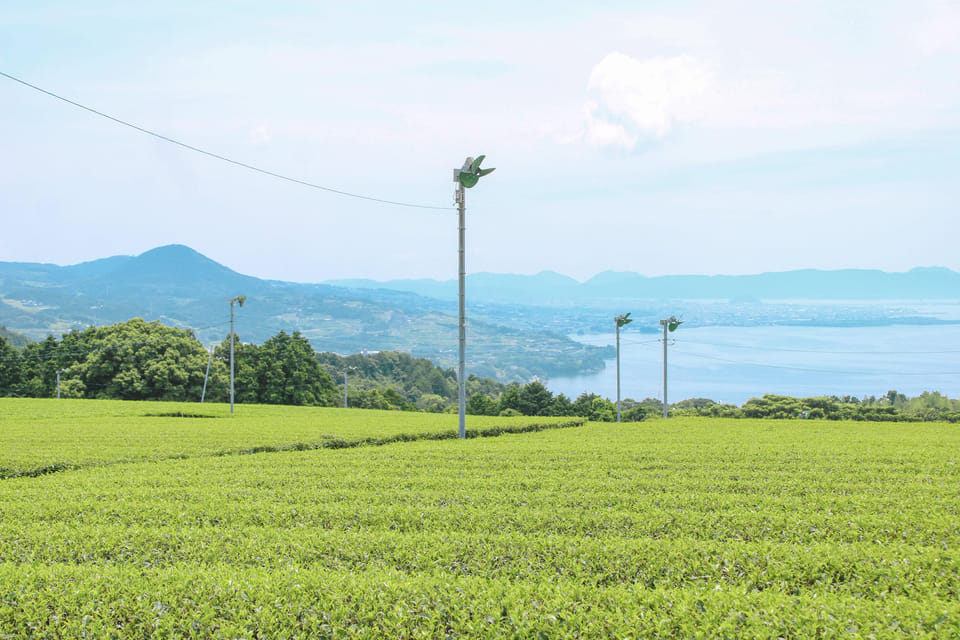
[(345, 385), (237, 300), (465, 177), (59, 371), (669, 324), (203, 394), (461, 314), (620, 321)]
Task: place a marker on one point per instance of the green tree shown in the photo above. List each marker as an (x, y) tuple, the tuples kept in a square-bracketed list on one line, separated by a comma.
[(39, 363), (410, 377), (773, 406), (594, 408), (602, 410), (510, 399), (9, 368), (487, 386), (139, 360), (653, 406), (246, 360), (895, 399), (481, 405), (693, 403), (397, 401), (581, 406), (561, 406), (368, 399), (72, 388), (534, 399), (284, 370), (433, 403), (821, 407)]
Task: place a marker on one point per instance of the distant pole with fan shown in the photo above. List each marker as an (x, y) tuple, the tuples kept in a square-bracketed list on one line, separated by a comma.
[(621, 320), (668, 324), (466, 177), (237, 300)]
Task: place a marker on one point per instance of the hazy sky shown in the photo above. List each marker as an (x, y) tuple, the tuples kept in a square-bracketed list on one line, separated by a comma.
[(658, 137)]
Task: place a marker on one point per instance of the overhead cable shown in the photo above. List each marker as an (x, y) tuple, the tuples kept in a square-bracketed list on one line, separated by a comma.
[(217, 156)]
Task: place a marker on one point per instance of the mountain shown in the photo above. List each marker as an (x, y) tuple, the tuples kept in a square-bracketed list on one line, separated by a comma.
[(13, 338), (809, 284), (611, 287), (547, 287), (95, 268), (518, 324), (181, 287), (166, 269)]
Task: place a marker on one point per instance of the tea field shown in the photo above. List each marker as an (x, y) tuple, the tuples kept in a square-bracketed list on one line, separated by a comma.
[(679, 528), (40, 436)]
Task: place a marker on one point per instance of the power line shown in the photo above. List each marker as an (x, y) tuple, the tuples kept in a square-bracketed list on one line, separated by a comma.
[(622, 341), (217, 156)]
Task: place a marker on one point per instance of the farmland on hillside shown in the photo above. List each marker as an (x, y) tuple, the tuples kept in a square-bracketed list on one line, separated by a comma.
[(678, 528)]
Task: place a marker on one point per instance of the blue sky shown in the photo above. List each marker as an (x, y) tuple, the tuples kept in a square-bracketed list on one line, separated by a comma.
[(657, 137)]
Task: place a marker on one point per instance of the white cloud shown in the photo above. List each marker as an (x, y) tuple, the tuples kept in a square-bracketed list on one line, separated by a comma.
[(601, 132), (635, 99)]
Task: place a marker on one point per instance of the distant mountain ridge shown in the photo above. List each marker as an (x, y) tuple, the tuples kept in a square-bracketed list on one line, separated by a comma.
[(554, 289), (181, 287), (519, 325)]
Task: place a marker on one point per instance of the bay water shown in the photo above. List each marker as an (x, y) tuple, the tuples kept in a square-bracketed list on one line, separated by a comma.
[(732, 364)]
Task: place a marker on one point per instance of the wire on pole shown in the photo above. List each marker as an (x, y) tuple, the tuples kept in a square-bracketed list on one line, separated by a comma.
[(217, 156)]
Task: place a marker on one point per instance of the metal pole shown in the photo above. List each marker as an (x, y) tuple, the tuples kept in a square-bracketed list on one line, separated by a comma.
[(663, 323), (462, 345), (617, 323), (240, 300), (345, 388), (231, 356), (203, 394), (58, 383)]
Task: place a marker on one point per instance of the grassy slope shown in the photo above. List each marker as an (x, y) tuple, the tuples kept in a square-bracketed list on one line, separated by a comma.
[(742, 528)]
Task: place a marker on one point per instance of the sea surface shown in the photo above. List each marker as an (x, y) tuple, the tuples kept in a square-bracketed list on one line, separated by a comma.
[(733, 364)]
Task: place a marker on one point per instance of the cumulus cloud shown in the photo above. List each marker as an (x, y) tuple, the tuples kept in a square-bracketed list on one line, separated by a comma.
[(632, 100)]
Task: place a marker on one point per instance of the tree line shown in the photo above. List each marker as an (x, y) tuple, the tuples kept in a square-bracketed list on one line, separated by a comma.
[(393, 380), (891, 407), (139, 360)]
